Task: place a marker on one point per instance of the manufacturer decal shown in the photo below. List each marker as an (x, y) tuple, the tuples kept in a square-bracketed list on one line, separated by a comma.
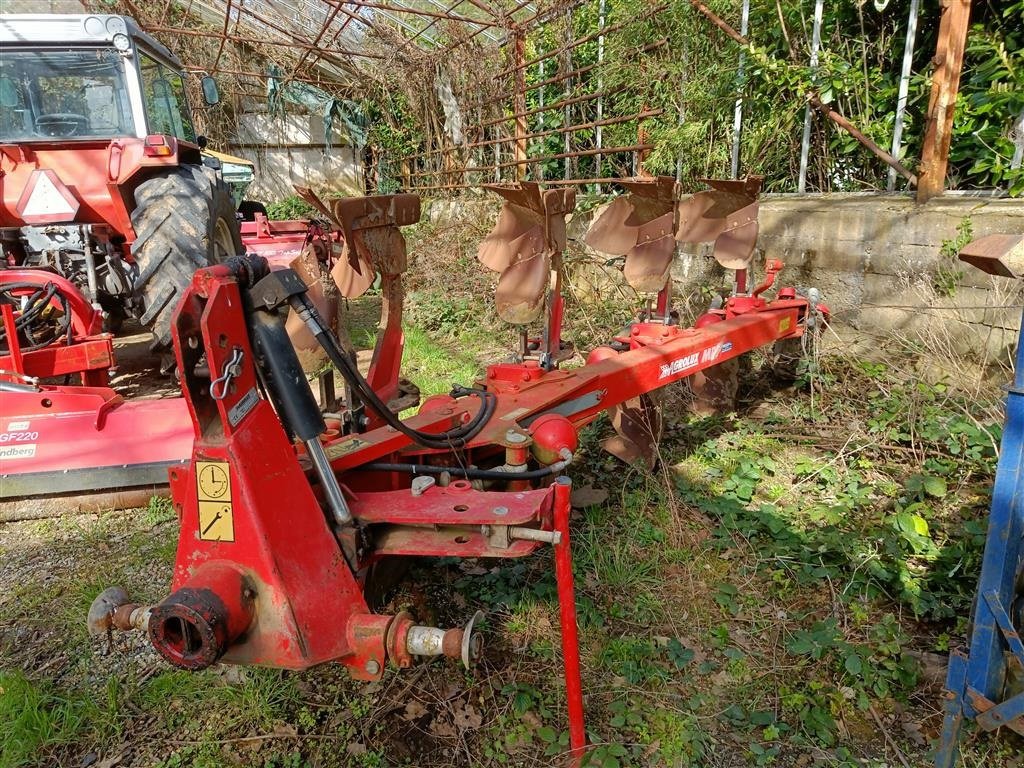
[(17, 426), (18, 437), (240, 409), (784, 323), (703, 357), (23, 451), (213, 493), (344, 448), (711, 354), (679, 365)]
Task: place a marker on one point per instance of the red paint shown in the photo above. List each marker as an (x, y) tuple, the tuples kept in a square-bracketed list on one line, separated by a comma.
[(100, 176), (553, 433), (85, 320), (305, 575), (567, 618)]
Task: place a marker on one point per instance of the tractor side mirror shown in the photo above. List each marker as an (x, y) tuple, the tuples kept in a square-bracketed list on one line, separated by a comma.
[(8, 93), (211, 95)]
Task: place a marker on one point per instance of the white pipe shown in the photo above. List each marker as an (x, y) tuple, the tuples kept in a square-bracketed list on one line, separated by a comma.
[(600, 100), (737, 120), (805, 145), (901, 100), (1018, 140), (540, 115)]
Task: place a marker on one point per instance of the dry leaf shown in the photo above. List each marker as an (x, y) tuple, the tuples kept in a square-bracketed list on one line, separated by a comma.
[(467, 718), (284, 730), (588, 496), (442, 729), (913, 732), (414, 710), (531, 719), (356, 749)]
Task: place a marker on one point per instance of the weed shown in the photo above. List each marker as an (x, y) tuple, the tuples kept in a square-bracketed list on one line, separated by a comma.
[(947, 274), (159, 510), (36, 718)]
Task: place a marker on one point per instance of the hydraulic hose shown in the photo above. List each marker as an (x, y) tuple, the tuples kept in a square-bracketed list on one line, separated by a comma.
[(454, 438), (32, 311)]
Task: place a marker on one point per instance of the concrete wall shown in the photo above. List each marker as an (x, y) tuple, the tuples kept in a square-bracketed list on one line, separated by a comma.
[(874, 258), (292, 150)]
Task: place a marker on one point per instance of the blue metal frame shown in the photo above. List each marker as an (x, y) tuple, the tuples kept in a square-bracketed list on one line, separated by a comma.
[(976, 681)]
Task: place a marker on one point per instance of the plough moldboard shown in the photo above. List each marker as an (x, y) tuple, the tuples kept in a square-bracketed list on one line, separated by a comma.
[(284, 521)]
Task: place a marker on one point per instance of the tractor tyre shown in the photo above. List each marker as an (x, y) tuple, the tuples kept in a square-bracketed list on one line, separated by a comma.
[(184, 219)]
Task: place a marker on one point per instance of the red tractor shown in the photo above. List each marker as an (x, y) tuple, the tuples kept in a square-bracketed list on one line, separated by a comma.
[(102, 179)]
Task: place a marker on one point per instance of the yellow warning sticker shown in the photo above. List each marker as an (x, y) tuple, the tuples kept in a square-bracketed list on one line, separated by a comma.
[(213, 492), (213, 480), (784, 324), (216, 522)]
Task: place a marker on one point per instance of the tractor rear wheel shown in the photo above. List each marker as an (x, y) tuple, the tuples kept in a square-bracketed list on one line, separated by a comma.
[(184, 220)]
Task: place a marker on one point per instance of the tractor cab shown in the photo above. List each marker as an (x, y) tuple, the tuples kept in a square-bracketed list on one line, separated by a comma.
[(80, 78), (104, 182)]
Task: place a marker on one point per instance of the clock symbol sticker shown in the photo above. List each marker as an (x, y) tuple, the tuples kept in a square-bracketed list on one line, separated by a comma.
[(213, 493), (214, 482)]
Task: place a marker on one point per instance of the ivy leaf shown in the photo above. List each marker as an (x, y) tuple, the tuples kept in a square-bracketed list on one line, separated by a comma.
[(935, 486), (547, 734), (853, 664)]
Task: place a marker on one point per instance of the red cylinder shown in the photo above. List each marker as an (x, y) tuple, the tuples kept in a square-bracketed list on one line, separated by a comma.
[(599, 354), (707, 319), (552, 433)]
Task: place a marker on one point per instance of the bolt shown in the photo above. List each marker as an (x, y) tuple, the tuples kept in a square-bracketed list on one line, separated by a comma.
[(512, 436), (372, 667)]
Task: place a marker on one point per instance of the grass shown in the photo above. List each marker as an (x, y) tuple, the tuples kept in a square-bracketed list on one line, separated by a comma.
[(765, 599), (32, 717)]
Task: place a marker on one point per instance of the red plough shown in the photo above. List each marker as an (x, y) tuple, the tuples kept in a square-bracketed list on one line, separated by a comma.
[(283, 524)]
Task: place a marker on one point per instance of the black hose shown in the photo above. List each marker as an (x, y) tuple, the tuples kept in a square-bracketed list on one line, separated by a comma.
[(468, 473), (32, 309), (454, 438)]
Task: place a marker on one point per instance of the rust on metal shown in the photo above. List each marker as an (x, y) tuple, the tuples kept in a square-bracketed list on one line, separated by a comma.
[(1001, 255), (525, 247), (311, 266), (640, 226), (982, 705), (726, 214), (638, 425)]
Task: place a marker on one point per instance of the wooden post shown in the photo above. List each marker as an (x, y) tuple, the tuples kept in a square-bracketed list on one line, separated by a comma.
[(520, 103), (949, 59)]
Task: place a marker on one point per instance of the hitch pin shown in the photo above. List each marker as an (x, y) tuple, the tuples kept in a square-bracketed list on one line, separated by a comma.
[(232, 368)]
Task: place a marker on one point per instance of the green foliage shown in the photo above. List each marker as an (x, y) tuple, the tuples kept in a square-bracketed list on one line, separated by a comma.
[(34, 718), (159, 510), (948, 273), (678, 62), (293, 207), (867, 537)]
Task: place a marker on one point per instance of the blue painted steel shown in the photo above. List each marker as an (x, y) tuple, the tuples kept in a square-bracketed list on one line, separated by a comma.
[(980, 678)]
